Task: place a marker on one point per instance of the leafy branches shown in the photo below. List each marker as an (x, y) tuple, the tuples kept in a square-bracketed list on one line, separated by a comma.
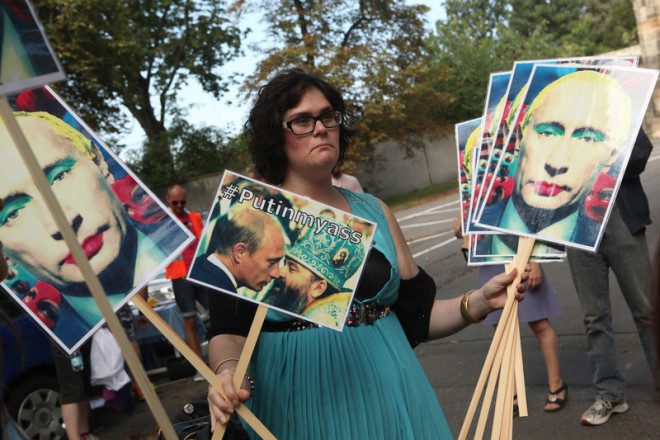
[(483, 36), (374, 50), (135, 55)]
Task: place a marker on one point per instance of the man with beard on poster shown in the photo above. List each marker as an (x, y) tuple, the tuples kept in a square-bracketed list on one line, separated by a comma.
[(312, 280), (564, 148), (119, 252)]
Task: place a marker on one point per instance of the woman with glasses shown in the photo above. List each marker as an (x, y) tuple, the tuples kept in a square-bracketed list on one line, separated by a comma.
[(312, 382)]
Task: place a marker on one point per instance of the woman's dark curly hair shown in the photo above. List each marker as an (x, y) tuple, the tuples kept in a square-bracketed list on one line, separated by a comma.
[(264, 131)]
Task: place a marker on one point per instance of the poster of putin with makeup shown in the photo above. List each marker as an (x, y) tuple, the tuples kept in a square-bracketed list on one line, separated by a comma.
[(573, 138)]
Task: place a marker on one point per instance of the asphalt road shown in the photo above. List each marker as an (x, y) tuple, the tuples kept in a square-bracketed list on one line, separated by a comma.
[(453, 364)]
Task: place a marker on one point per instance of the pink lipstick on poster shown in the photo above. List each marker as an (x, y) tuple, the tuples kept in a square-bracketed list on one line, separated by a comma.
[(91, 245)]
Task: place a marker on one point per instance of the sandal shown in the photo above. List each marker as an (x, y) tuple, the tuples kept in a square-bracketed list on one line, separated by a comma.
[(556, 400)]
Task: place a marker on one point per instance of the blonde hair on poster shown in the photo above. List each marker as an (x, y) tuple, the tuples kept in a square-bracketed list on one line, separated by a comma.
[(622, 112)]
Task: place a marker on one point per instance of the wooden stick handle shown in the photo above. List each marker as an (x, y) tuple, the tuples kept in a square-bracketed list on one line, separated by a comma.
[(507, 413), (503, 379), (503, 408), (525, 245), (244, 359), (520, 374), (91, 280), (250, 344), (492, 350), (502, 419), (488, 395), (476, 396), (198, 363)]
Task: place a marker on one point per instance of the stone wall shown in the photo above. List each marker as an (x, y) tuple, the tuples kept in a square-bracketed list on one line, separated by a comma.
[(395, 174)]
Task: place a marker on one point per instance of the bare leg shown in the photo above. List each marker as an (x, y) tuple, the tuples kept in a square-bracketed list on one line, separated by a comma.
[(83, 423), (192, 338), (549, 346), (76, 419)]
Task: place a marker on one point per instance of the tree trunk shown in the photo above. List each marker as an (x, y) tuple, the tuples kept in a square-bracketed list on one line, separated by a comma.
[(157, 168)]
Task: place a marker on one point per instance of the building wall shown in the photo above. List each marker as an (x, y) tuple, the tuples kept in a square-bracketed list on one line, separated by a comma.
[(395, 174)]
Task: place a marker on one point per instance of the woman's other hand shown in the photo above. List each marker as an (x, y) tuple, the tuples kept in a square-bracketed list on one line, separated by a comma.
[(219, 407), (494, 291)]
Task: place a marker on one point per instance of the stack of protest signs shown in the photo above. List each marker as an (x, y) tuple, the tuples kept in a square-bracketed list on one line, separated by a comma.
[(540, 171)]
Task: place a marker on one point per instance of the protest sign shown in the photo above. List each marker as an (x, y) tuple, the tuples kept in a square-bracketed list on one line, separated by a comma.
[(487, 247), (491, 144), (566, 139), (573, 138), (511, 107), (467, 135), (281, 250), (26, 59), (125, 232)]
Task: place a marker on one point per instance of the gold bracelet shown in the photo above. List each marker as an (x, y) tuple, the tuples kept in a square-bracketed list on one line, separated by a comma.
[(220, 364), (465, 302)]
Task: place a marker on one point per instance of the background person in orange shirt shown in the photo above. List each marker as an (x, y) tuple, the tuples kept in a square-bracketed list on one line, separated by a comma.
[(185, 292)]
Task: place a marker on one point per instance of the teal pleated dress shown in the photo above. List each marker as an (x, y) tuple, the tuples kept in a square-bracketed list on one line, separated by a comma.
[(362, 383)]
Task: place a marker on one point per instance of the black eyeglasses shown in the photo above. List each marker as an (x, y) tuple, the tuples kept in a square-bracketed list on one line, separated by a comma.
[(306, 124), (178, 202)]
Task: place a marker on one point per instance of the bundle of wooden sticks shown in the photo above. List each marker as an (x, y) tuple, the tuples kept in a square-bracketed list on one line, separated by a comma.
[(503, 366)]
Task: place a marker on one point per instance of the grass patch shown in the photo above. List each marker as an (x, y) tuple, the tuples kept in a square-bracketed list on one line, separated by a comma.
[(421, 195)]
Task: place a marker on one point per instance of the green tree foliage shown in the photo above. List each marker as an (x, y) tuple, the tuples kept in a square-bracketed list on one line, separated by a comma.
[(205, 150), (588, 26), (136, 55), (483, 36), (467, 48), (372, 49), (557, 17)]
